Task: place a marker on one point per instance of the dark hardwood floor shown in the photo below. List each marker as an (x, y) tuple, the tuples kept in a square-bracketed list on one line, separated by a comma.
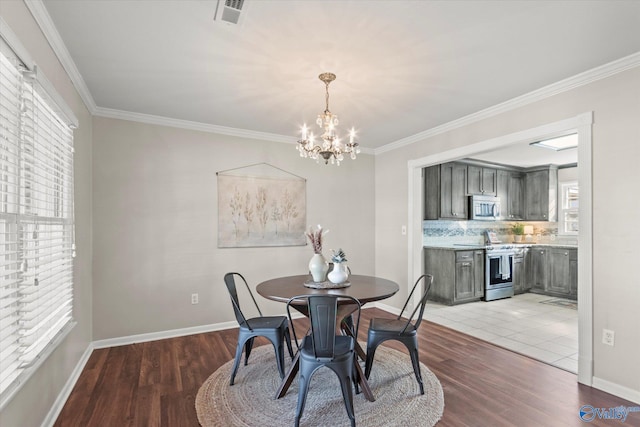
[(155, 383)]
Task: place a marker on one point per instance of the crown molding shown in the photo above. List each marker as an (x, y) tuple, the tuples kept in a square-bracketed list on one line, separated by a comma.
[(565, 85), (40, 14), (198, 126), (43, 19), (186, 124)]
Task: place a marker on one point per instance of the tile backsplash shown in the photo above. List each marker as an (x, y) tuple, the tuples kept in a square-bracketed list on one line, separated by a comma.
[(473, 232)]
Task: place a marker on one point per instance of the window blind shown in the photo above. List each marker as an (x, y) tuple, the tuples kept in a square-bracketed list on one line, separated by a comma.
[(36, 224)]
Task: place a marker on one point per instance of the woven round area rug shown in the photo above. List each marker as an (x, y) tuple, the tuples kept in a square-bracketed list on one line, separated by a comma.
[(251, 400)]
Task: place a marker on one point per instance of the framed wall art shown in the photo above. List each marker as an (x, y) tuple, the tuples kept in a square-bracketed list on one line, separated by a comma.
[(261, 205)]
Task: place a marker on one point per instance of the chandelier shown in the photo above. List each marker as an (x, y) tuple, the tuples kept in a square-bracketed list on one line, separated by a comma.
[(331, 147)]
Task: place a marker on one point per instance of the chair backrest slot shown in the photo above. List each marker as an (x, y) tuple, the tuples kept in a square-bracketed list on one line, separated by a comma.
[(427, 280), (230, 282), (322, 310)]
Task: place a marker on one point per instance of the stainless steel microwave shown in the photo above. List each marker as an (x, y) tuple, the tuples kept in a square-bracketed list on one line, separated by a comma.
[(485, 208)]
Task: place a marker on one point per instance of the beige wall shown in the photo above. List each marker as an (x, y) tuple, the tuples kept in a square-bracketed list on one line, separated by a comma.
[(616, 106), (155, 222), (34, 400)]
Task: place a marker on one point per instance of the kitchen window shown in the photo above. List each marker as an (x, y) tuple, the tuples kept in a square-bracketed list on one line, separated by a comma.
[(36, 217), (569, 202)]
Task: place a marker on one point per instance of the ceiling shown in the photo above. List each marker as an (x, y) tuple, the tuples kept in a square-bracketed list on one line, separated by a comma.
[(403, 67)]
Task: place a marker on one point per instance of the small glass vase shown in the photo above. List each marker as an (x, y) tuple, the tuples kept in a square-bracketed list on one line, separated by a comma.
[(318, 268), (339, 274)]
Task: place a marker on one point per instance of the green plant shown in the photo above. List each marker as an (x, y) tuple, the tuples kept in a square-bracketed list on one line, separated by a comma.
[(338, 256), (517, 229)]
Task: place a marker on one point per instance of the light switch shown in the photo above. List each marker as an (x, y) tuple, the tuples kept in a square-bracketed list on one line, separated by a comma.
[(404, 230)]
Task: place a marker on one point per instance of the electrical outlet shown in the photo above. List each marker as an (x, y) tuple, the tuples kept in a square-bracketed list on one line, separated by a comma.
[(194, 298), (608, 337)]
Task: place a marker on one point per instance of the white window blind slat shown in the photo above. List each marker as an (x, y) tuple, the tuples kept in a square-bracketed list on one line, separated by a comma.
[(36, 224)]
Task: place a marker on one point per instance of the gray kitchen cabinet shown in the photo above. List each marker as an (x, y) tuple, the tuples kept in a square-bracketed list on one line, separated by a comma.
[(554, 271), (464, 284), (453, 191), (445, 188), (510, 189), (478, 272), (558, 282), (538, 269), (458, 275), (541, 194), (519, 273), (482, 180), (431, 177), (573, 273)]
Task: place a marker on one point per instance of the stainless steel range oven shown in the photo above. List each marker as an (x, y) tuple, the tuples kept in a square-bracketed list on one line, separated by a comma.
[(499, 272)]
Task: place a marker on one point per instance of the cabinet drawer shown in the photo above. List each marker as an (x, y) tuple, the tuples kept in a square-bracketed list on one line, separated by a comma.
[(462, 256)]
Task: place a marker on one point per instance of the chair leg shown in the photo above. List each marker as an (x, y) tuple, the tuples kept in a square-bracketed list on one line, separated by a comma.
[(347, 395), (287, 338), (248, 346), (236, 361), (303, 388), (356, 375), (279, 348), (416, 367), (371, 351)]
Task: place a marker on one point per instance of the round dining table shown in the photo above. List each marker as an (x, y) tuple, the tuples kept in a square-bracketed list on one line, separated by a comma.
[(364, 288)]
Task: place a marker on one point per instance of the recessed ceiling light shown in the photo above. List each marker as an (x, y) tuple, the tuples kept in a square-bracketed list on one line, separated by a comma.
[(560, 143)]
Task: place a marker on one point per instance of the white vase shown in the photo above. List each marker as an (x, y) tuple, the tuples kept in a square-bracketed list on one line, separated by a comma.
[(339, 274), (318, 268)]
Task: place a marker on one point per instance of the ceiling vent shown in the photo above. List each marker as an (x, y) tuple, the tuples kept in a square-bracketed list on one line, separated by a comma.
[(230, 11)]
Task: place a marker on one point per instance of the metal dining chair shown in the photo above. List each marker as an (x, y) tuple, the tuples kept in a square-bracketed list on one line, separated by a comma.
[(323, 347), (382, 329), (273, 328)]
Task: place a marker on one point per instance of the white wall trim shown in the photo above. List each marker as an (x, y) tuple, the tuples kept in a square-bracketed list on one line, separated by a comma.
[(42, 17), (198, 126), (55, 410), (565, 85), (172, 333), (582, 124), (616, 389)]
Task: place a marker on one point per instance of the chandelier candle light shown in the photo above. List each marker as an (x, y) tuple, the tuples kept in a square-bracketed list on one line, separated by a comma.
[(332, 148)]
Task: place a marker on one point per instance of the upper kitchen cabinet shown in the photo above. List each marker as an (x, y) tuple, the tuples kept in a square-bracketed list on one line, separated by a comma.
[(446, 191), (481, 180), (541, 194), (510, 189), (453, 192)]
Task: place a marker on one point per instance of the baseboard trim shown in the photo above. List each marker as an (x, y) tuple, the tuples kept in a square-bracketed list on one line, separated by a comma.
[(64, 394), (617, 390), (154, 336)]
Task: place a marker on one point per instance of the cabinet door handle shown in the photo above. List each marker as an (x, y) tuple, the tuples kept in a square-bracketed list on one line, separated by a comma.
[(466, 264)]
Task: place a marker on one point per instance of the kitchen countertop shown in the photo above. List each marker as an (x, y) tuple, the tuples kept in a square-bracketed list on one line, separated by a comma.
[(471, 246)]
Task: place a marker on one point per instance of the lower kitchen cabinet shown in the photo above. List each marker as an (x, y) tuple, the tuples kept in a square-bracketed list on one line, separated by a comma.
[(519, 273), (538, 269), (458, 275), (554, 271)]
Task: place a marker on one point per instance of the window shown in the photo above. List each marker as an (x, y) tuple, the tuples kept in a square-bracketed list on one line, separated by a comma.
[(569, 203), (36, 224)]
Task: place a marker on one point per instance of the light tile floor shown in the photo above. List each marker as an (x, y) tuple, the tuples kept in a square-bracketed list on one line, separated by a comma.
[(545, 332)]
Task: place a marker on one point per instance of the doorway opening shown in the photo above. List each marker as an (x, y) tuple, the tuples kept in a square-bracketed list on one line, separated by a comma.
[(581, 125)]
